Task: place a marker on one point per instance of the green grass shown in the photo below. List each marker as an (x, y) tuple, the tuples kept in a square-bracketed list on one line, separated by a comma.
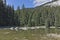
[(37, 34)]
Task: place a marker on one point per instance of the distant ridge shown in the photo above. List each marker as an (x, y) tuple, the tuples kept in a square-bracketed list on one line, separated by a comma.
[(48, 3), (55, 3)]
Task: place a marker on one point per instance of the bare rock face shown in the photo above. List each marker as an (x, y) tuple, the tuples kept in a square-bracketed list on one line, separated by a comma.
[(54, 35), (54, 3)]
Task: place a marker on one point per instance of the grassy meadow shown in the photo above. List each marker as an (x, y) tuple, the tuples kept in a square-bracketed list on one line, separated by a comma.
[(36, 34)]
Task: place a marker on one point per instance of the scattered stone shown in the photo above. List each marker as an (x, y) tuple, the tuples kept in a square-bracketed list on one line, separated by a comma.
[(37, 27), (12, 28), (24, 28), (17, 28), (54, 35), (32, 28)]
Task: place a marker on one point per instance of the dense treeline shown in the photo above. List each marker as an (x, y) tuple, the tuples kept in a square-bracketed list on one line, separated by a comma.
[(8, 16), (38, 16)]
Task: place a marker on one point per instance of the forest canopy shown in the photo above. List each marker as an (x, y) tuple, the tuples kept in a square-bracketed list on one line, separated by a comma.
[(37, 16)]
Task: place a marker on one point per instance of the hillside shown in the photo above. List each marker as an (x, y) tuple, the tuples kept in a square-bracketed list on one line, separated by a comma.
[(38, 16)]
